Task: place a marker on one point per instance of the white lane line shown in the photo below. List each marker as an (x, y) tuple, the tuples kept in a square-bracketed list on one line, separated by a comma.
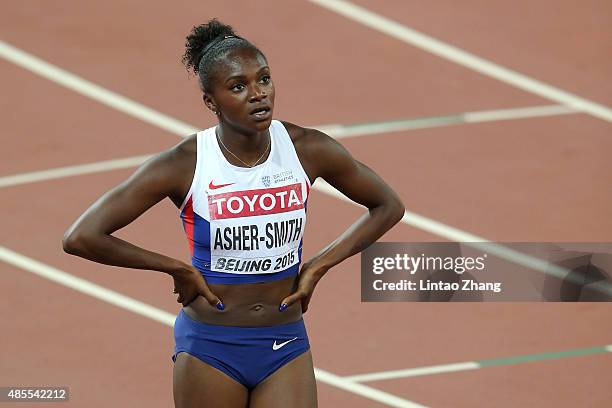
[(335, 131), (373, 128), (84, 286), (462, 57), (368, 392), (414, 372), (143, 309), (93, 91), (68, 171), (472, 365), (517, 113)]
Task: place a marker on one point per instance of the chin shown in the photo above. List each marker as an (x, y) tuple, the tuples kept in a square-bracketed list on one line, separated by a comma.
[(259, 125), (263, 125)]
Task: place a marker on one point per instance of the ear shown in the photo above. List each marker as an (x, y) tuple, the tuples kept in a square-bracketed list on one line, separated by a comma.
[(210, 104)]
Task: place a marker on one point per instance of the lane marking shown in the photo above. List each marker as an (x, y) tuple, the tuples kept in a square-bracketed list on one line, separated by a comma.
[(414, 372), (371, 393), (473, 365), (542, 356), (461, 57), (172, 125), (89, 89), (518, 113), (143, 309), (68, 171), (84, 286), (389, 126)]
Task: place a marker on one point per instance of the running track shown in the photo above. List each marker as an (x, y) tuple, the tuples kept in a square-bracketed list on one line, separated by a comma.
[(542, 175)]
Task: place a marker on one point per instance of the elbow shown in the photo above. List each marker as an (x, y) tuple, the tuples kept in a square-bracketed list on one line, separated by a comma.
[(397, 210), (74, 243), (392, 210), (70, 243)]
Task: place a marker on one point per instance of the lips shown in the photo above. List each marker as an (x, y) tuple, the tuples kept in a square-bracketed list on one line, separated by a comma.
[(259, 108), (261, 112)]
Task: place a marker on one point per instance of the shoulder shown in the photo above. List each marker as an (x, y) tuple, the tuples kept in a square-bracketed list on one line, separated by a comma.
[(184, 154), (181, 162), (168, 172), (310, 142), (302, 136), (319, 151), (186, 147), (175, 158)]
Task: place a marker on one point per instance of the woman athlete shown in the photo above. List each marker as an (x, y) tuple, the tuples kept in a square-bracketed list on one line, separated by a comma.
[(242, 188)]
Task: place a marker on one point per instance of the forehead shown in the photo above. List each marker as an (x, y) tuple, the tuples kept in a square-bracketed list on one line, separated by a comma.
[(241, 61)]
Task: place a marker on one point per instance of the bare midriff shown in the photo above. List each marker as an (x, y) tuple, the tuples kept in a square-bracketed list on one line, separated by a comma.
[(252, 304)]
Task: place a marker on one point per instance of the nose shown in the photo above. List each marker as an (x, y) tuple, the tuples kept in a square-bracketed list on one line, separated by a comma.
[(257, 93)]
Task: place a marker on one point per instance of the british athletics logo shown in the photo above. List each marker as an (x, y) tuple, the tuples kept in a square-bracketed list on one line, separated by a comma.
[(249, 203)]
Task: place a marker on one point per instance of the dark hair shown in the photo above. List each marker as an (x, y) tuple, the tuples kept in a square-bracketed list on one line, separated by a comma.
[(206, 43)]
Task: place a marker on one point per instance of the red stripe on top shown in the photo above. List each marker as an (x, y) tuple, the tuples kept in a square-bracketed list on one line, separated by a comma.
[(188, 223)]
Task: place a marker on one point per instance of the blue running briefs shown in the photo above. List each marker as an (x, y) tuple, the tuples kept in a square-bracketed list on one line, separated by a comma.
[(247, 354)]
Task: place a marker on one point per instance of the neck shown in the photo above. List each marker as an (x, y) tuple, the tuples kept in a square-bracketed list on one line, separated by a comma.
[(247, 146)]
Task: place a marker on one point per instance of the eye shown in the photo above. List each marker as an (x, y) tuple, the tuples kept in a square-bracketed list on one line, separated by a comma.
[(266, 79), (237, 88)]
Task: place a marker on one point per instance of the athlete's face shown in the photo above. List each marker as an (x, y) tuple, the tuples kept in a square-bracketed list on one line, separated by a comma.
[(242, 91)]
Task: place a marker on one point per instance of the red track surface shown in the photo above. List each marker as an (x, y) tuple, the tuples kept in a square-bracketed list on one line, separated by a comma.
[(543, 179)]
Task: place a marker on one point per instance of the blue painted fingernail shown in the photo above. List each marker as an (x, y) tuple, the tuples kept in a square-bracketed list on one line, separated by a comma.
[(220, 305), (282, 307)]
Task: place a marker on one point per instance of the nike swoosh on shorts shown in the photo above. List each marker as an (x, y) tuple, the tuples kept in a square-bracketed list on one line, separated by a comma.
[(277, 346)]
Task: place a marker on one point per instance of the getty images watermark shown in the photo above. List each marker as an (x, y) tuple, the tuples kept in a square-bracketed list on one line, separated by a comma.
[(452, 271)]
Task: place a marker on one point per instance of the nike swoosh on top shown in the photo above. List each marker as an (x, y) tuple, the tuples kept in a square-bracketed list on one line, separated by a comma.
[(213, 187), (277, 346)]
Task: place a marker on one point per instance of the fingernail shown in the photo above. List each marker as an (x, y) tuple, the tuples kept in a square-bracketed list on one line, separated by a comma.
[(282, 307), (220, 305)]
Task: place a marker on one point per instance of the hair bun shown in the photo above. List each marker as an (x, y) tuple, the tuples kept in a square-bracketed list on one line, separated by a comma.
[(199, 38)]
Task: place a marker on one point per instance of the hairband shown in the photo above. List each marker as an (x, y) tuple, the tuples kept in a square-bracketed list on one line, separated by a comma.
[(215, 42)]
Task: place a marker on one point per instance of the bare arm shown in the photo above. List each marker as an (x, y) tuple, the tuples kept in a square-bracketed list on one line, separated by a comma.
[(326, 158), (359, 183), (90, 236)]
